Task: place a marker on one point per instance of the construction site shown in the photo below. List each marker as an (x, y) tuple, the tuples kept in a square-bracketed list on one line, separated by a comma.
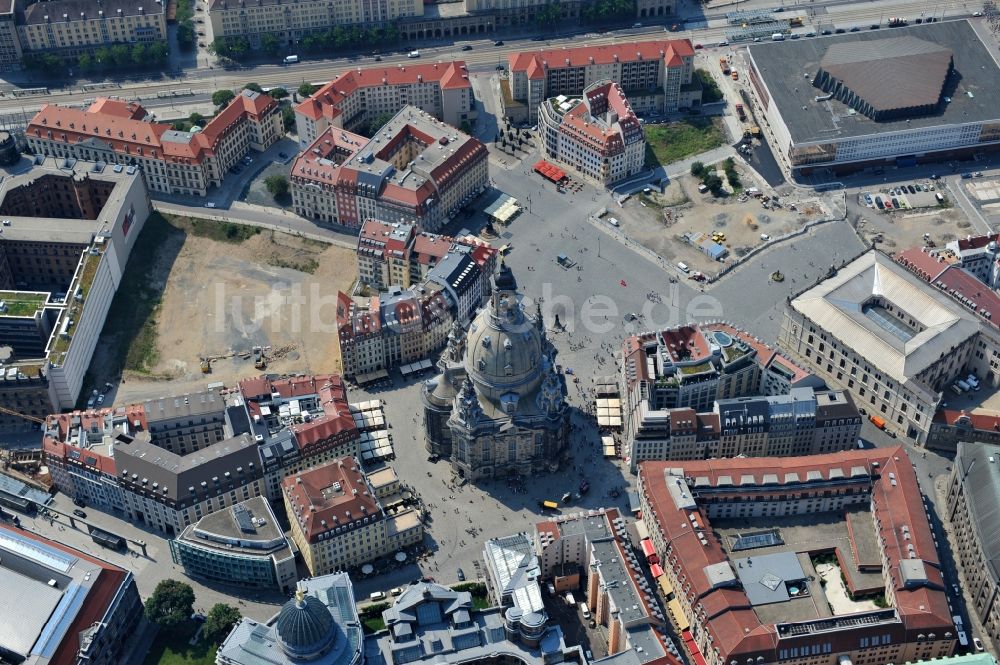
[(707, 232), (231, 308)]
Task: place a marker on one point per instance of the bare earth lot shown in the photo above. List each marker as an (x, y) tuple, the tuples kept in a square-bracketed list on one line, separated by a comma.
[(221, 296), (905, 229), (659, 221)]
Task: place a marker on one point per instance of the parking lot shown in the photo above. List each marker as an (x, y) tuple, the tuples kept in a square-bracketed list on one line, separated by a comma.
[(899, 215)]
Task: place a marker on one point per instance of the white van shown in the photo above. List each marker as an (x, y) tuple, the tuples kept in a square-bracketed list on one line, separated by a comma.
[(291, 59), (973, 381), (413, 54), (963, 385), (570, 600), (377, 596), (584, 610), (683, 267), (777, 37)]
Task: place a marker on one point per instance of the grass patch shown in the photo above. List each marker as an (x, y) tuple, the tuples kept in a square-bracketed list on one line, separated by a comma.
[(21, 303), (710, 91), (307, 266), (171, 648), (214, 230), (674, 141), (373, 625), (132, 317)]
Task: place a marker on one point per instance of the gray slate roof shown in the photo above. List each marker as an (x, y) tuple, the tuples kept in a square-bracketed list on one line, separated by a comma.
[(982, 492)]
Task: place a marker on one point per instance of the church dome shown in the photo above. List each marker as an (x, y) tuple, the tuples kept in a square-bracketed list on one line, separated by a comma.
[(305, 627), (504, 345)]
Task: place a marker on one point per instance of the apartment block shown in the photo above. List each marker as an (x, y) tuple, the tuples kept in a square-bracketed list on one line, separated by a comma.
[(291, 21), (739, 549), (671, 380), (354, 98), (597, 135), (72, 27), (171, 461), (67, 237), (402, 327), (171, 162), (803, 422), (656, 76), (972, 504), (339, 523), (415, 169)]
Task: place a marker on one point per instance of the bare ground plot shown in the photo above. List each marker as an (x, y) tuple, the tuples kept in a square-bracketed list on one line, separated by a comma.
[(901, 230), (217, 290), (659, 221)]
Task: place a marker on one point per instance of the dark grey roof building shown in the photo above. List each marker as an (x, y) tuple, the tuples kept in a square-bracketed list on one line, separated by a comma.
[(847, 101), (974, 513)]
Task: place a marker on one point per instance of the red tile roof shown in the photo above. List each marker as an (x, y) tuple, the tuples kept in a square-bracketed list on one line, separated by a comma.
[(925, 262), (581, 56), (318, 507), (326, 101), (729, 617), (977, 242), (111, 122), (970, 292), (980, 420), (321, 161)]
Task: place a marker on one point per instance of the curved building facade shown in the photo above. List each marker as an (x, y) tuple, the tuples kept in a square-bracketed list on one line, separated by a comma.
[(242, 545), (498, 406)]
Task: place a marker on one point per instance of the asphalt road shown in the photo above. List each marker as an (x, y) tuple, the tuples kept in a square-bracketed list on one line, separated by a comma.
[(483, 57)]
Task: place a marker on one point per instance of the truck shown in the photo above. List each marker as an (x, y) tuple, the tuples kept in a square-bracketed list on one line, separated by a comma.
[(795, 22), (724, 64), (105, 539), (741, 113), (896, 22), (291, 59), (877, 421)]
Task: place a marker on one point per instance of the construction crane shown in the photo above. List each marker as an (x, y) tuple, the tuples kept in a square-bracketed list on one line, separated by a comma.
[(18, 414)]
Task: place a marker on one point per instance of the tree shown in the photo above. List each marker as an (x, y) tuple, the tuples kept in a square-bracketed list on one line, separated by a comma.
[(697, 169), (196, 119), (288, 118), (378, 122), (121, 55), (140, 57), (277, 185), (269, 44), (549, 15), (222, 97), (306, 89), (185, 35), (278, 93), (713, 182), (171, 604), (253, 86), (85, 61), (221, 620), (179, 125), (158, 52)]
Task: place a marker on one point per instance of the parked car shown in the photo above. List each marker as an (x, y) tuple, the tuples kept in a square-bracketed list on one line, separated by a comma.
[(209, 205), (79, 502), (79, 513), (198, 617), (467, 47), (498, 42), (461, 575), (978, 643)]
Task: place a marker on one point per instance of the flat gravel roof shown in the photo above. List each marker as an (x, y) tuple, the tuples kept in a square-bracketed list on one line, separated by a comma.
[(789, 67)]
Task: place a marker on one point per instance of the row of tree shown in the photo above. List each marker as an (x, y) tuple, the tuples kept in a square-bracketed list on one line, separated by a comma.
[(171, 606), (711, 179), (185, 24), (338, 38), (607, 10), (118, 56)]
